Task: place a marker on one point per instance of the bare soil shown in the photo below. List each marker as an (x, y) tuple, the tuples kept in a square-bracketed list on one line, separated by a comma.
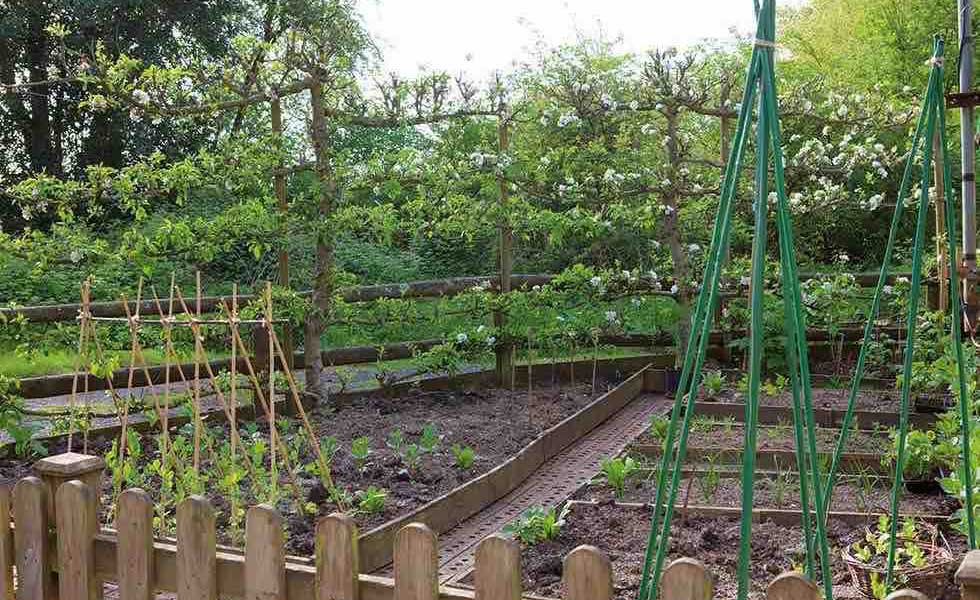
[(495, 423), (621, 532), (782, 492), (823, 398)]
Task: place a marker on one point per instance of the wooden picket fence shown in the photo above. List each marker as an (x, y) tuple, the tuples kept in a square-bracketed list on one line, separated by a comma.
[(71, 558)]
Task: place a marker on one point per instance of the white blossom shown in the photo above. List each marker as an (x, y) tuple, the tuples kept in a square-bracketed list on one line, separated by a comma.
[(462, 338), (141, 97), (596, 281)]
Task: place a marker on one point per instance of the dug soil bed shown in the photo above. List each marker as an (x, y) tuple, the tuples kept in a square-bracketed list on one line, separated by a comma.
[(712, 434), (495, 423), (780, 492), (823, 398), (621, 532)]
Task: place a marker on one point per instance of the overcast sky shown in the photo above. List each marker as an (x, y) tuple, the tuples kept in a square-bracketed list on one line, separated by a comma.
[(481, 36)]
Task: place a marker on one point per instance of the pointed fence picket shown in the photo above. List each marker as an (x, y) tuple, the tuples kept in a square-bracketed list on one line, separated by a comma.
[(69, 559)]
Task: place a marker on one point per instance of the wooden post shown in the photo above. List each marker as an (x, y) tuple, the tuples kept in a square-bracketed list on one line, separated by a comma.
[(792, 585), (134, 549), (968, 576), (685, 579), (505, 249), (587, 575), (265, 554), (196, 558), (416, 563), (6, 546), (279, 186), (337, 558), (62, 468), (498, 569), (32, 542), (77, 527)]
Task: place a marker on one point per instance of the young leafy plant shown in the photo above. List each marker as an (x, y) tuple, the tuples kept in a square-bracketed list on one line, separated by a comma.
[(395, 440), (537, 524), (411, 454), (360, 449), (429, 440), (714, 382), (463, 456), (371, 500), (617, 471)]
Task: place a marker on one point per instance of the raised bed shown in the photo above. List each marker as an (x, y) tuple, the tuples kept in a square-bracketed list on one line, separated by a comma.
[(702, 487), (511, 433), (710, 534)]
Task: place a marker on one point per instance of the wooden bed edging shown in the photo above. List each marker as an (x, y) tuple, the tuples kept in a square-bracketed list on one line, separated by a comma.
[(780, 516), (458, 504), (770, 459), (830, 418)]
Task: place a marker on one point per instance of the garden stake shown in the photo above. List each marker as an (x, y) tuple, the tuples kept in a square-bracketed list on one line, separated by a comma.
[(935, 116), (83, 323), (326, 477), (234, 374), (260, 395), (859, 367), (768, 141), (530, 367), (655, 551), (197, 373), (133, 340), (141, 358), (272, 388)]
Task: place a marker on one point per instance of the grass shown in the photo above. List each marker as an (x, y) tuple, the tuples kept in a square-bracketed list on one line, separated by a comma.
[(57, 361)]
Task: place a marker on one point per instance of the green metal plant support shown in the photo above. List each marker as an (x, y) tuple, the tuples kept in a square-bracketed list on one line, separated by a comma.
[(760, 86)]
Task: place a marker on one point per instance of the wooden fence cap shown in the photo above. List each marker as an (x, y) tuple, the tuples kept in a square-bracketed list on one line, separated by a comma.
[(69, 464), (969, 571)]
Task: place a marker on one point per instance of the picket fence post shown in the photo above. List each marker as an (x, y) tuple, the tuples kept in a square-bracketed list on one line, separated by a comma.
[(6, 546), (77, 526), (336, 558), (498, 569), (196, 553), (31, 544), (685, 579), (416, 563), (587, 575), (265, 554), (134, 545)]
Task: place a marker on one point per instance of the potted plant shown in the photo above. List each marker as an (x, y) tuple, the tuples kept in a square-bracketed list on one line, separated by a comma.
[(922, 559)]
